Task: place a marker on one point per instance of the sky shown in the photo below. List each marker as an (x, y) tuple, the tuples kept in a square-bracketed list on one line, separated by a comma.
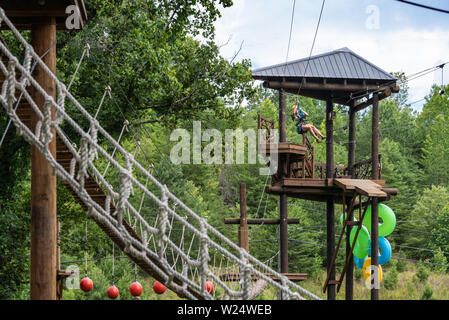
[(392, 35)]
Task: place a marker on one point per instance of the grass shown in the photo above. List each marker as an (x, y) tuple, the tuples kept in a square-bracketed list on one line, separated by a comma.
[(408, 286)]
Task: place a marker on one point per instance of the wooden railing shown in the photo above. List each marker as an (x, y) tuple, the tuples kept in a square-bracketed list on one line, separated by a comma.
[(302, 169), (266, 124), (309, 159), (362, 169)]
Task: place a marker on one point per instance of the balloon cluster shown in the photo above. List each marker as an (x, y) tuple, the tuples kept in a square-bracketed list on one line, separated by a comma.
[(362, 247)]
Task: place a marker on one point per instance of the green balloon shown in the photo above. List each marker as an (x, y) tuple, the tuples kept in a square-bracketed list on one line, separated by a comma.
[(388, 220), (362, 244)]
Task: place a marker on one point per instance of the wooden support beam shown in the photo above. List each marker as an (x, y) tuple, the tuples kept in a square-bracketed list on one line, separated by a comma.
[(260, 221), (291, 276), (375, 203), (334, 256), (331, 294), (43, 181), (307, 85), (380, 96), (349, 281), (351, 141), (243, 228), (375, 138), (349, 257), (375, 248), (283, 197)]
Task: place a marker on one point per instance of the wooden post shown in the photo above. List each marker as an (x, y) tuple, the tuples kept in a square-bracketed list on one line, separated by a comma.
[(375, 138), (59, 279), (351, 141), (282, 118), (375, 202), (43, 180), (349, 284), (283, 197), (243, 228), (375, 246), (330, 168)]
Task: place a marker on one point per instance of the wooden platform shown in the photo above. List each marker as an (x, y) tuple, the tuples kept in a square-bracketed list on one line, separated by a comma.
[(321, 189), (24, 13), (369, 188), (286, 148), (290, 276)]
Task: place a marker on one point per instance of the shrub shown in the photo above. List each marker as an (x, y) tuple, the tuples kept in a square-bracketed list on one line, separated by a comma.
[(440, 261), (423, 273), (391, 278), (401, 266), (427, 293), (358, 274)]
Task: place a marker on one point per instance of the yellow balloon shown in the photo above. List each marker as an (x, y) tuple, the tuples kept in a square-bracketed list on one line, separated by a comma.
[(367, 270)]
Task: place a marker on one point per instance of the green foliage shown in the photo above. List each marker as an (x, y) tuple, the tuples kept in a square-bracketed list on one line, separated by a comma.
[(14, 243), (435, 136), (439, 261), (151, 57), (358, 274), (391, 278), (423, 273), (427, 293), (401, 266), (429, 220)]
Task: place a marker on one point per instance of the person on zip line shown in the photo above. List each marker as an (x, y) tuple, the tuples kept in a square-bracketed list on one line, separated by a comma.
[(299, 115)]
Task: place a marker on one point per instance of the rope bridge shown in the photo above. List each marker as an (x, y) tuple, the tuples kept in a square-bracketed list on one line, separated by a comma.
[(151, 225)]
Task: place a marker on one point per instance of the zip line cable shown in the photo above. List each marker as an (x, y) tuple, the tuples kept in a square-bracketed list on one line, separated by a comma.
[(423, 6), (290, 34), (414, 76), (401, 82), (313, 45)]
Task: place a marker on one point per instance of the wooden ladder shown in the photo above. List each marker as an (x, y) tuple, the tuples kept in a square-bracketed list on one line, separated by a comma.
[(347, 223)]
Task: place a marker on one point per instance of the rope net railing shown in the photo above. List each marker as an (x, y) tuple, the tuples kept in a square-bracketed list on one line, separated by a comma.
[(155, 229)]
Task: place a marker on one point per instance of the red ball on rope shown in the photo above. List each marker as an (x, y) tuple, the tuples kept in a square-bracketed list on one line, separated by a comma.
[(159, 288), (112, 292), (135, 289), (86, 284), (210, 287)]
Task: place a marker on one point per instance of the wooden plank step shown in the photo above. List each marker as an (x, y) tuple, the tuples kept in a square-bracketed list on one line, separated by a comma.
[(367, 188)]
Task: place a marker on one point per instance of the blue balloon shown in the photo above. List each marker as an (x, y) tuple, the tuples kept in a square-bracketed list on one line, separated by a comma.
[(359, 262), (385, 251)]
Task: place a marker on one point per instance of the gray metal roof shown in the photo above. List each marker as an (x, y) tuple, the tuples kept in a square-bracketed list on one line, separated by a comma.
[(339, 64)]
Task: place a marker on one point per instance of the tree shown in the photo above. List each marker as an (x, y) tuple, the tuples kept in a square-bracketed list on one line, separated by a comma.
[(429, 220), (435, 151), (439, 261), (159, 59)]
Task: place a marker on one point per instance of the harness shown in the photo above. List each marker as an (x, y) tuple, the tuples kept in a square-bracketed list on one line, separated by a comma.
[(300, 119)]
